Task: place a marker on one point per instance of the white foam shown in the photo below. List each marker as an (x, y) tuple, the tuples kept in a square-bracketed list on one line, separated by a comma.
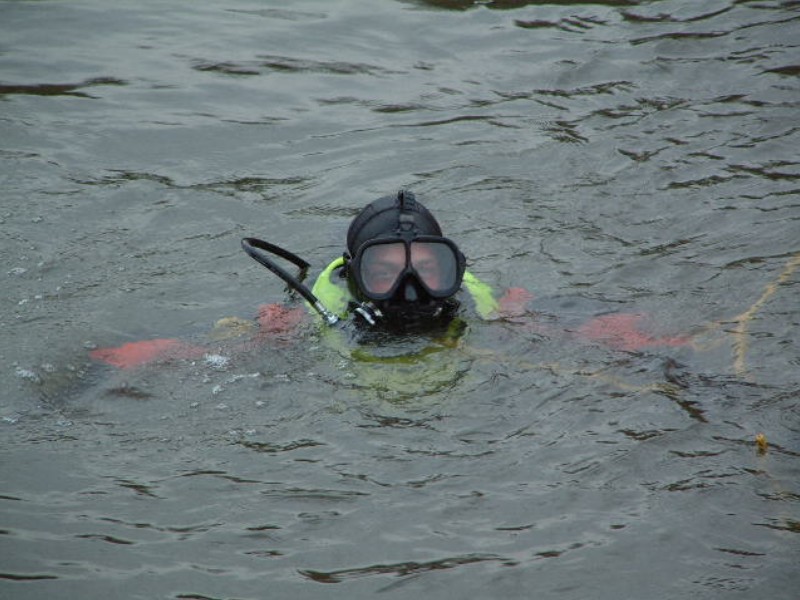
[(26, 374), (217, 361)]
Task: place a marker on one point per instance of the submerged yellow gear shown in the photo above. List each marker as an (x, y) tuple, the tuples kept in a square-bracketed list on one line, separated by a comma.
[(336, 298), (399, 368)]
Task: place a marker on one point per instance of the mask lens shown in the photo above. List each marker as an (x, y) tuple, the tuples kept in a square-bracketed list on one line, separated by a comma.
[(436, 265), (381, 266)]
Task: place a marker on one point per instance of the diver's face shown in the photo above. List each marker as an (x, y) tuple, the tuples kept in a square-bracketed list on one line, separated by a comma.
[(388, 261)]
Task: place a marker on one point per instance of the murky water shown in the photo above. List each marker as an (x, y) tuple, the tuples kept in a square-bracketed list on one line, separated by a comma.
[(611, 156)]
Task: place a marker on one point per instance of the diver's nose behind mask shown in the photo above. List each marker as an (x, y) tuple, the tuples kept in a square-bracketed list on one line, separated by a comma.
[(431, 263), (410, 293)]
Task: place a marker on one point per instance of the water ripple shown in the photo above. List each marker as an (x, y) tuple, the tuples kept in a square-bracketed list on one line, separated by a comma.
[(402, 569), (59, 89), (624, 162)]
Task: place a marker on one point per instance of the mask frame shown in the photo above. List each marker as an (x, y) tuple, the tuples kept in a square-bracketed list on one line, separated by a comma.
[(410, 270)]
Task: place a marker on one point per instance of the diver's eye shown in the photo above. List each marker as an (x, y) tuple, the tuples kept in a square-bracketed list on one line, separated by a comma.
[(428, 268), (380, 276)]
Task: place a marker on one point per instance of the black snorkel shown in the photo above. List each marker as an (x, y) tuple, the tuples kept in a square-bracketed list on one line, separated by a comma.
[(253, 245)]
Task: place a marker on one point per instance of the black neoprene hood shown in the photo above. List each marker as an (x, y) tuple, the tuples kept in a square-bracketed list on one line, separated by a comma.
[(381, 218)]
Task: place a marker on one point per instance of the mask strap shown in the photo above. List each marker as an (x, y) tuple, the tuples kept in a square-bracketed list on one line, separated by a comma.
[(407, 201)]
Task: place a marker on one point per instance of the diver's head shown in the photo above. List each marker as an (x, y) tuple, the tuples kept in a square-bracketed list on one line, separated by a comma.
[(399, 261)]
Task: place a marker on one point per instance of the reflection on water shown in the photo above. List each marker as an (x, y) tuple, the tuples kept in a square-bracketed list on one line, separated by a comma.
[(514, 4), (58, 89), (628, 160)]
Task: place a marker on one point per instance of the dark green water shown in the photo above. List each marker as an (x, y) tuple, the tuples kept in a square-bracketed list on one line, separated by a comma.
[(617, 156)]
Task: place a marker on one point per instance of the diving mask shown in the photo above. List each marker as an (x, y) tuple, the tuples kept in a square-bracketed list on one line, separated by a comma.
[(421, 265)]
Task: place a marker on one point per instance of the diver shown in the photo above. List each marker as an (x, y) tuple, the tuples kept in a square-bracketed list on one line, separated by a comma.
[(399, 274)]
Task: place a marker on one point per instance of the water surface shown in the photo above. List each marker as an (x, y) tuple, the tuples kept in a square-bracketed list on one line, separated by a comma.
[(611, 157)]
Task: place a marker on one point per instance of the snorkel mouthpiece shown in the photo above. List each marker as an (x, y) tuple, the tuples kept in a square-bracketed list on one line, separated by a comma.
[(369, 312)]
